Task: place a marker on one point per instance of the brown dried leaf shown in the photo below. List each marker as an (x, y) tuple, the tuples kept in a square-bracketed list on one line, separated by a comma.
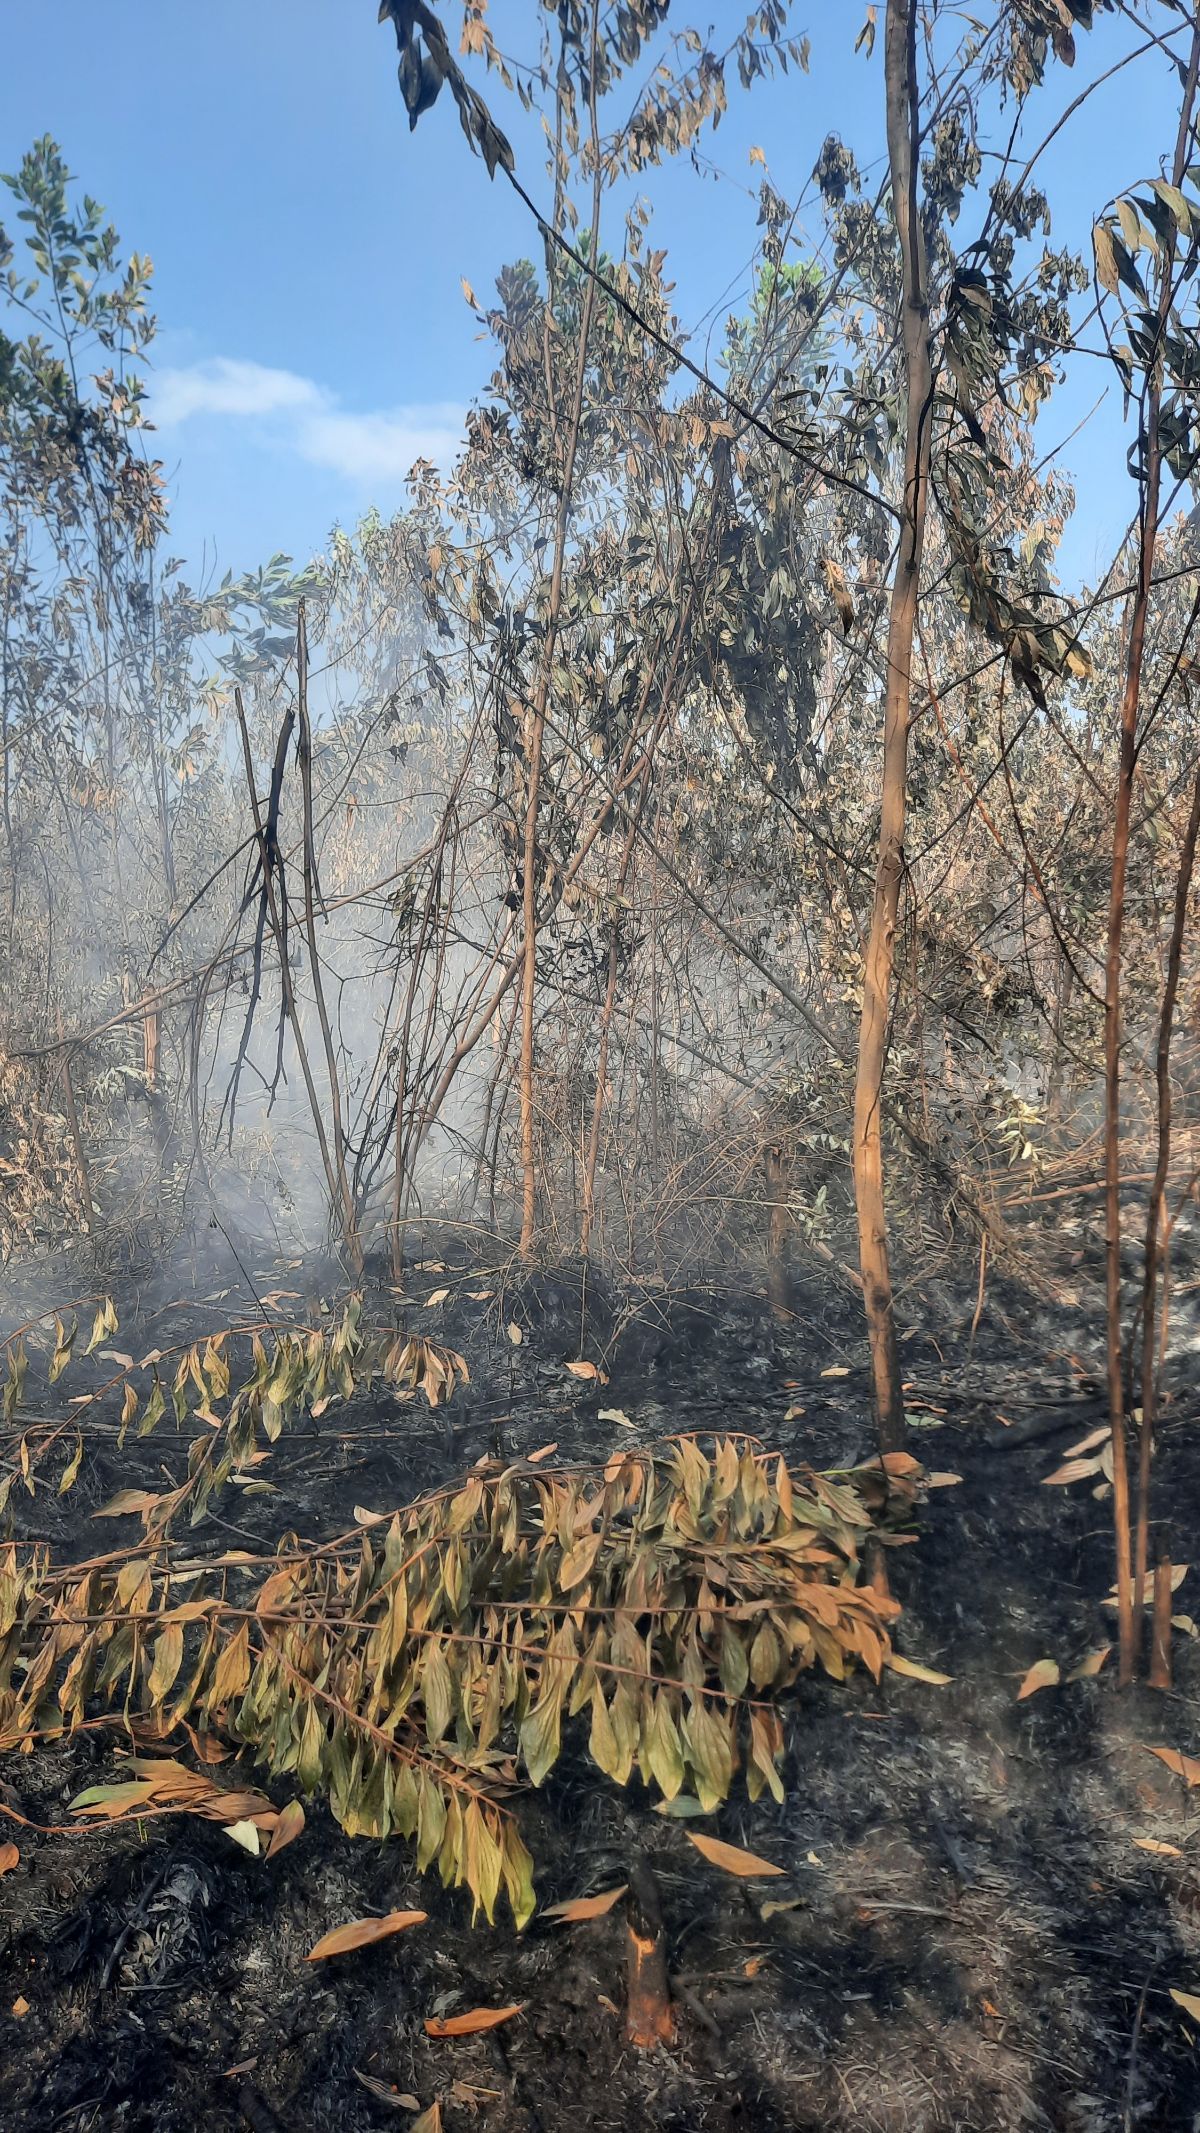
[(127, 1501), (1089, 1443), (396, 2099), (289, 1826), (1090, 1665), (1189, 2001), (1185, 1766), (580, 1908), (9, 1857), (430, 2121), (363, 1932), (471, 2023), (730, 1858), (1178, 1573), (588, 1370), (1160, 1850), (1043, 1674), (1071, 1470)]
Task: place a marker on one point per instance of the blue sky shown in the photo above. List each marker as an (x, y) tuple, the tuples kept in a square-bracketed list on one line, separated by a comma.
[(309, 250)]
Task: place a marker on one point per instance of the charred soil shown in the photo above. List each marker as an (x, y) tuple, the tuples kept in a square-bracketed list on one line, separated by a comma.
[(967, 1932)]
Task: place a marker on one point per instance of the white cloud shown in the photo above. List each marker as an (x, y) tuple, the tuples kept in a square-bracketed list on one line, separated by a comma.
[(366, 447), (224, 386), (305, 419)]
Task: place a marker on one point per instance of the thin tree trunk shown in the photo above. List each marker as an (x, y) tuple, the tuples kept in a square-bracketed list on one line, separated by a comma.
[(82, 1174), (536, 722), (592, 1152), (344, 1200), (1127, 1621), (1160, 1629), (903, 124), (775, 1180), (1156, 1211)]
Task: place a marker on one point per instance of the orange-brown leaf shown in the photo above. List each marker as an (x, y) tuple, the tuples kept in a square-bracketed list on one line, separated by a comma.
[(730, 1857), (289, 1825), (1185, 1766), (584, 1907), (470, 2024), (1043, 1674), (9, 1856), (362, 1932)]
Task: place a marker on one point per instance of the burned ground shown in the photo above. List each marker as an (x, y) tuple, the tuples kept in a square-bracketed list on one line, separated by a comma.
[(965, 1933)]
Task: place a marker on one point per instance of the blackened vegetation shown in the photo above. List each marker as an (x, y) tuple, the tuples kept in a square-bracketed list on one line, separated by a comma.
[(964, 1932)]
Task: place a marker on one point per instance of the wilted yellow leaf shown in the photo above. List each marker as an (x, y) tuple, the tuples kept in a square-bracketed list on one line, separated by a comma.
[(514, 1333), (1160, 1850), (127, 1501), (614, 1414), (898, 1664), (837, 1370), (438, 1297), (1189, 2001)]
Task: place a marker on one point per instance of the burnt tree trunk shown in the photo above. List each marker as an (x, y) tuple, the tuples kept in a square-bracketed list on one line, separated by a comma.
[(903, 123)]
